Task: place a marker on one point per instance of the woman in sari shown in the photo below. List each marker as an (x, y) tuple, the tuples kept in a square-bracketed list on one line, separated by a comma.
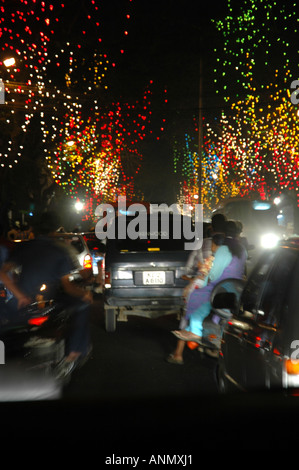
[(229, 261)]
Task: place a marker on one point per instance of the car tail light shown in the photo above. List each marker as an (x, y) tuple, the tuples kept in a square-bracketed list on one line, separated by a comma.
[(290, 374), (37, 321), (292, 366), (107, 279), (87, 263)]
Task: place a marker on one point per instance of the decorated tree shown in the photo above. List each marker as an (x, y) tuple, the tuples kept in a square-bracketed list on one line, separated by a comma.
[(96, 158), (257, 48), (58, 113), (215, 184), (251, 149)]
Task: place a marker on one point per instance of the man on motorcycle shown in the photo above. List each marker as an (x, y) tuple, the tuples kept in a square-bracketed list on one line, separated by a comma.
[(43, 261)]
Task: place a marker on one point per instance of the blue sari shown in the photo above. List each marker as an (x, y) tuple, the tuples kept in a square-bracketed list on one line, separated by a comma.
[(199, 306)]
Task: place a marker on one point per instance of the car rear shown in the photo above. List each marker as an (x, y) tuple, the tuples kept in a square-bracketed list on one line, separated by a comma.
[(78, 250), (144, 277), (97, 250)]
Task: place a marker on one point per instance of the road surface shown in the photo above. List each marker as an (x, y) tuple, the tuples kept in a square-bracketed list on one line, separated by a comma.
[(130, 363)]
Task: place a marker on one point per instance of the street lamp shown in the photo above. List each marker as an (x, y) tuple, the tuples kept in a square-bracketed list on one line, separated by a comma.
[(9, 62), (79, 206)]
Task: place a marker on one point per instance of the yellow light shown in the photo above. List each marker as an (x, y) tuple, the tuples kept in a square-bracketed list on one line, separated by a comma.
[(292, 366)]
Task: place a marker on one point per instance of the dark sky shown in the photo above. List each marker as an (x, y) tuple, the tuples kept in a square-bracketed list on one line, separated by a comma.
[(164, 43)]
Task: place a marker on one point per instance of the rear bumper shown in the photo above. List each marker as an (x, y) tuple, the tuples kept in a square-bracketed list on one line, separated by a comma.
[(163, 304), (157, 297)]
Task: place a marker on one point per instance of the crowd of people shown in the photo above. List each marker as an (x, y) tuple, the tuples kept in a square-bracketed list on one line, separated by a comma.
[(223, 255)]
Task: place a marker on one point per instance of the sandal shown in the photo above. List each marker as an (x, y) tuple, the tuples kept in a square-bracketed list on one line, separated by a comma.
[(186, 336), (173, 360)]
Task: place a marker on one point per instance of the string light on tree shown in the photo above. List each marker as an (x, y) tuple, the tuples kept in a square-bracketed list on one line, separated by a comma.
[(59, 78)]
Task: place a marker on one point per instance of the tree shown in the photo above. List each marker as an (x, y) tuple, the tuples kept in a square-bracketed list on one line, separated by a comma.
[(256, 144)]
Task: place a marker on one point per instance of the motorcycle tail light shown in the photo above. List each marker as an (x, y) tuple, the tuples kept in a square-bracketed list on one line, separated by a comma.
[(2, 293), (37, 321), (87, 263)]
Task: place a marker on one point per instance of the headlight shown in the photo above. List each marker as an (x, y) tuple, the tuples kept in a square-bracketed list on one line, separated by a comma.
[(269, 240)]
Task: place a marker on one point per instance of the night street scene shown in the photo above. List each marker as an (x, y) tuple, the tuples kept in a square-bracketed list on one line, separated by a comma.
[(149, 227)]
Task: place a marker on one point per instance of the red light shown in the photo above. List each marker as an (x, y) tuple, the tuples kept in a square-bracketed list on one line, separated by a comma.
[(3, 293), (37, 321), (107, 277)]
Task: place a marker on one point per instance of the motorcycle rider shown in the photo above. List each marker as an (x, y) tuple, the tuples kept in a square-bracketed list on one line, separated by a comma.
[(43, 261)]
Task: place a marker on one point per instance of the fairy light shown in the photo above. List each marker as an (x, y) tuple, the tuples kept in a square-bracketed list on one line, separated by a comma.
[(61, 79), (252, 148)]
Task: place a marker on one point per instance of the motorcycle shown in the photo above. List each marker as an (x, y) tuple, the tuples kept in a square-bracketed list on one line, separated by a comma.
[(33, 348), (213, 324)]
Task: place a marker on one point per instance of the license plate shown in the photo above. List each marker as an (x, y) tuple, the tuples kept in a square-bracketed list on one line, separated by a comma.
[(153, 277)]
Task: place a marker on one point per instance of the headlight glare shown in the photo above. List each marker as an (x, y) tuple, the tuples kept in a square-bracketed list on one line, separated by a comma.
[(269, 240)]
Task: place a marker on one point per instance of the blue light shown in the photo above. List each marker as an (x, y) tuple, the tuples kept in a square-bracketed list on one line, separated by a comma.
[(261, 205)]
